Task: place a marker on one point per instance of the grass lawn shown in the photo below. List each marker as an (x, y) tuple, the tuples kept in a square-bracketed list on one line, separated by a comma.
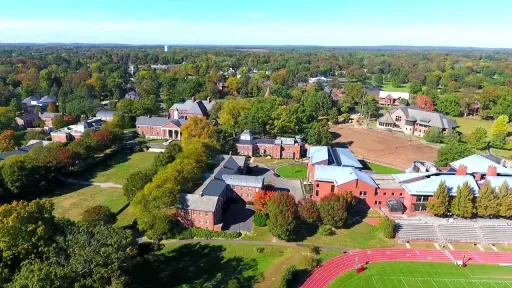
[(388, 87), (422, 245), (361, 236), (465, 246), (426, 275), (293, 171), (75, 199), (117, 169), (204, 265), (126, 217), (502, 153), (505, 248), (272, 162), (468, 124), (380, 169), (258, 234)]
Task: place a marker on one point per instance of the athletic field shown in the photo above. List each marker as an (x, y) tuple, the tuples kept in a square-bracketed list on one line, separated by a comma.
[(427, 275)]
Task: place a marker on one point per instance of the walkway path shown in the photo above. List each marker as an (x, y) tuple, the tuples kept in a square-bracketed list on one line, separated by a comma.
[(222, 241), (332, 269), (102, 185)]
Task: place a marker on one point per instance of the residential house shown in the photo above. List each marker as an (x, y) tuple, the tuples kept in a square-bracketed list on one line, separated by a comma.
[(191, 108), (204, 207), (32, 101), (27, 120), (106, 115), (413, 121), (24, 149), (46, 100), (279, 148), (73, 132), (160, 127), (47, 118), (388, 98)]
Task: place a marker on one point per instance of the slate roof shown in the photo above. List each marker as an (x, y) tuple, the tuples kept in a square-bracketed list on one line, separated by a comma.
[(151, 121), (479, 164), (48, 115), (429, 186), (432, 119), (198, 202), (132, 95), (29, 100), (28, 117), (410, 176), (198, 107), (386, 118), (244, 180), (20, 151), (49, 99), (341, 175), (497, 181)]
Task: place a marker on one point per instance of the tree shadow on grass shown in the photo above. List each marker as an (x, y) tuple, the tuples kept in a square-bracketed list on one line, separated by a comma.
[(105, 164), (193, 265)]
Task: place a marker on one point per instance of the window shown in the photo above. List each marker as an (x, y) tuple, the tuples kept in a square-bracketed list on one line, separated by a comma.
[(207, 221), (398, 118), (376, 193), (194, 213), (200, 222), (249, 188), (249, 196), (362, 193), (257, 189), (385, 193), (241, 188), (393, 194), (332, 188), (401, 194), (317, 185), (200, 213), (378, 203), (317, 192), (195, 221), (242, 195), (205, 213)]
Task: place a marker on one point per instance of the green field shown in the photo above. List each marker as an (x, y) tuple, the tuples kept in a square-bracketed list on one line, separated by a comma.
[(427, 275), (117, 169), (272, 162), (380, 169), (466, 125), (72, 201), (126, 217), (203, 265), (293, 171)]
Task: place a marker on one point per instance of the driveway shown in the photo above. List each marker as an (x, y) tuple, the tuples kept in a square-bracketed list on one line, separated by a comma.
[(238, 217), (289, 185)]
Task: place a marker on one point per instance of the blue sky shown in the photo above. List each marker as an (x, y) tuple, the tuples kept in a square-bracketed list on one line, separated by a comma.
[(260, 22)]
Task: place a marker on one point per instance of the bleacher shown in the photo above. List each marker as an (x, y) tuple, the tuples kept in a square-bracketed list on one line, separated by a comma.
[(496, 233), (459, 233), (417, 231)]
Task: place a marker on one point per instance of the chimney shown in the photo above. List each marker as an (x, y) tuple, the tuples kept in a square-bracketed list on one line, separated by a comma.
[(201, 194), (462, 170), (193, 99), (208, 99), (478, 177), (492, 171)]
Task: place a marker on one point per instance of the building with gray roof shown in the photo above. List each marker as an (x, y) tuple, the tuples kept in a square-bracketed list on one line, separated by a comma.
[(281, 147), (414, 121), (244, 180), (191, 108), (106, 115), (160, 127), (326, 155)]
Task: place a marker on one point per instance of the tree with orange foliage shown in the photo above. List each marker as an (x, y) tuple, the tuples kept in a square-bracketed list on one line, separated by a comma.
[(261, 200), (7, 141), (52, 108), (424, 103)]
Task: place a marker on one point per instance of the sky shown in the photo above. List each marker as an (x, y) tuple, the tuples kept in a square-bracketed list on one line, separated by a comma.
[(469, 23)]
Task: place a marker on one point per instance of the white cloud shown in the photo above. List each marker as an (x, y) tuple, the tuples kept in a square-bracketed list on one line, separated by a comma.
[(252, 32)]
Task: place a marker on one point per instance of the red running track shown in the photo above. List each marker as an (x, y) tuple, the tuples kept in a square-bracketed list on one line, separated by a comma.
[(332, 269)]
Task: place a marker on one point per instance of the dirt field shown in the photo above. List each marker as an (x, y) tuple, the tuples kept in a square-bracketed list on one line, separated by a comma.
[(383, 147)]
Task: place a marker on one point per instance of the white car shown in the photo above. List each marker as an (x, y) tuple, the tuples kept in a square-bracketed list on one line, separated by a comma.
[(167, 142)]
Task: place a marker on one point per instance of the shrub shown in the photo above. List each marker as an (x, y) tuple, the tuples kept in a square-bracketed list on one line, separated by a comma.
[(286, 280), (209, 234), (260, 219), (35, 135), (326, 230), (309, 262), (259, 249), (434, 135), (314, 250), (388, 227), (99, 215)]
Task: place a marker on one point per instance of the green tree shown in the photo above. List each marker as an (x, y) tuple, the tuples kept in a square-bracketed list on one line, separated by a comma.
[(333, 209), (449, 104), (319, 134), (231, 113), (388, 227), (282, 212), (434, 135), (196, 128), (415, 87), (136, 182), (353, 94), (126, 106), (168, 156), (370, 106), (120, 121), (500, 126), (378, 79), (234, 84), (6, 118), (478, 138), (15, 105), (7, 141), (462, 205), (505, 200), (439, 204), (396, 83), (452, 151), (487, 204), (99, 214)]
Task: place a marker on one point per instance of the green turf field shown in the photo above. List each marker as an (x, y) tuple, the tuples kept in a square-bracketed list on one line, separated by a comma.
[(427, 275)]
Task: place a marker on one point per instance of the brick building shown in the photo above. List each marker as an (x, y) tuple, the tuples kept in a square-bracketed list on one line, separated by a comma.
[(47, 118), (400, 193), (204, 207), (388, 98), (278, 148), (160, 127), (73, 132), (27, 120), (413, 121), (328, 156), (191, 108)]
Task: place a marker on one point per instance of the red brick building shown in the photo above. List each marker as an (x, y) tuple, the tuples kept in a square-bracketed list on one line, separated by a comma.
[(73, 132), (190, 108), (201, 211), (388, 98), (26, 121), (159, 127), (278, 148)]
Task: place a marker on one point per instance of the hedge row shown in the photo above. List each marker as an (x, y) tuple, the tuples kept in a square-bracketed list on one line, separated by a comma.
[(207, 234)]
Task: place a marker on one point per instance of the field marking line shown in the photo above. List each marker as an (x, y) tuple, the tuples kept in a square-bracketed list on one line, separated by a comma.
[(437, 246), (480, 247), (494, 248), (464, 284), (493, 284), (449, 283), (419, 283), (433, 282), (404, 282), (451, 247), (508, 284), (373, 278)]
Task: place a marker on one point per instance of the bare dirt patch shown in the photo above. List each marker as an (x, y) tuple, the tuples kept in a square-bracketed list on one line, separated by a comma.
[(383, 147)]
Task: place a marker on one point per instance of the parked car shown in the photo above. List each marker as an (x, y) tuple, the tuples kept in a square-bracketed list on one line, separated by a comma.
[(167, 142)]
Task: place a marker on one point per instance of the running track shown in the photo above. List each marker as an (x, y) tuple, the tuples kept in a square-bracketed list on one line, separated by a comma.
[(332, 269)]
